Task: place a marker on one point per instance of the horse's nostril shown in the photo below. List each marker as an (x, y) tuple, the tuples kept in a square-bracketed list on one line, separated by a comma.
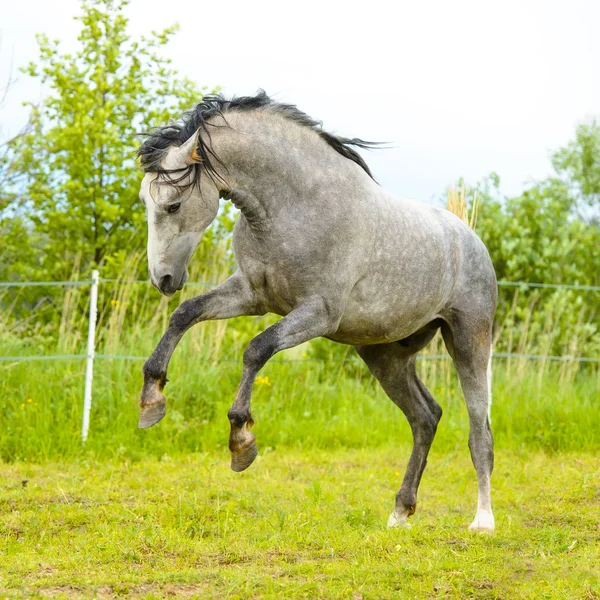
[(165, 283)]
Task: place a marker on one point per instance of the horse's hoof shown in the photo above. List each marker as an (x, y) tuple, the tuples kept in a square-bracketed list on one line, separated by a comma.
[(242, 459), (483, 523), (151, 414), (395, 521)]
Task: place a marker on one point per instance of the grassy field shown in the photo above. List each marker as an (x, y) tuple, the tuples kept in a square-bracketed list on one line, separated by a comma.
[(158, 513), (307, 524)]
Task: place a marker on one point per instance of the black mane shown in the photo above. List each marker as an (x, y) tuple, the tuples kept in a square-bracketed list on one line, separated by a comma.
[(157, 142)]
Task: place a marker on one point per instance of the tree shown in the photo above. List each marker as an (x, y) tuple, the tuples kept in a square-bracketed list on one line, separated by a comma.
[(80, 182), (15, 248), (579, 165)]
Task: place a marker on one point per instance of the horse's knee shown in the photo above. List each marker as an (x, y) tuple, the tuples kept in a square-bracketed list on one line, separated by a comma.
[(436, 412), (259, 351), (184, 315)]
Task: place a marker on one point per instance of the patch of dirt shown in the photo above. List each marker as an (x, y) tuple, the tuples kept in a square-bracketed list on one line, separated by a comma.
[(125, 590)]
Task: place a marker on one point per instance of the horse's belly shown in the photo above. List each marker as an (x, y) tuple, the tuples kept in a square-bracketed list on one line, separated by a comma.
[(380, 327)]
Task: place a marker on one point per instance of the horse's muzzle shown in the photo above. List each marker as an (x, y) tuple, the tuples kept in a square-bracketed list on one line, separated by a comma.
[(168, 283)]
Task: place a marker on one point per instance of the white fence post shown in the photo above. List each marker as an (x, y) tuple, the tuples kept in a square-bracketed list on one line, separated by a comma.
[(89, 365)]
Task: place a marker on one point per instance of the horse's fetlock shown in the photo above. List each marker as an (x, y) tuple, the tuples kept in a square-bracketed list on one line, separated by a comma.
[(406, 500), (154, 374), (238, 418)]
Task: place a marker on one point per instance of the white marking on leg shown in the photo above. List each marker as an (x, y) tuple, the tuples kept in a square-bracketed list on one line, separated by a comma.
[(484, 517), (398, 519), (483, 521)]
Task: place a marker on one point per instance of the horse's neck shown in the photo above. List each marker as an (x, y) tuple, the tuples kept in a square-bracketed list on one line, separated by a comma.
[(271, 162)]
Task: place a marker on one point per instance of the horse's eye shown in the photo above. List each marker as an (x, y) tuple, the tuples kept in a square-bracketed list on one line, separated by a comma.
[(173, 208)]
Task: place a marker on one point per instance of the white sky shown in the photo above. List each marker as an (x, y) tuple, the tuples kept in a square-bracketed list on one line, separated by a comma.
[(460, 88)]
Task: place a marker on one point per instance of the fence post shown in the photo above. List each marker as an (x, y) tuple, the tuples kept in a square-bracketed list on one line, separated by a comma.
[(89, 365)]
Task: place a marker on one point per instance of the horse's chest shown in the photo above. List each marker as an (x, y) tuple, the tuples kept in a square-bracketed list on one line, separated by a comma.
[(277, 293)]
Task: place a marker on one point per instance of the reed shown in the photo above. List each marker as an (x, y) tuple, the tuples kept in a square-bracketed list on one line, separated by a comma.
[(457, 202)]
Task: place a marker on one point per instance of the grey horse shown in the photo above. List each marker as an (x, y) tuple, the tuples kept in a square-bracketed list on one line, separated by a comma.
[(320, 243)]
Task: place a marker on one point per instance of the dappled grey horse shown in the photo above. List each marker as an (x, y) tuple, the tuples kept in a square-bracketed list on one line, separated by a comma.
[(321, 244)]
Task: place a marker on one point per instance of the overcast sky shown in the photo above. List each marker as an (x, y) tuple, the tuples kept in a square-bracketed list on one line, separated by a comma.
[(459, 88)]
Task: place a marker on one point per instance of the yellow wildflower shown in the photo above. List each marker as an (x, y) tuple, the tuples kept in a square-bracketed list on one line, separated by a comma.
[(263, 381)]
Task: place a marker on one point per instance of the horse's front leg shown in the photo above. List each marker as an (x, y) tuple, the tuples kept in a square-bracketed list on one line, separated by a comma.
[(233, 298), (313, 318)]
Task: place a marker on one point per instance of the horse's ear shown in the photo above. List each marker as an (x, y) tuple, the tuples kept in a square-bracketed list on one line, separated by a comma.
[(188, 151)]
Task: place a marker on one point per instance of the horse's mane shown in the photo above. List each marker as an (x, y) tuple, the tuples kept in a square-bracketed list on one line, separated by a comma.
[(154, 148)]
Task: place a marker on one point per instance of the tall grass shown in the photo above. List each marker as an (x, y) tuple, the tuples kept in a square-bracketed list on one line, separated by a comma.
[(317, 395), (297, 404)]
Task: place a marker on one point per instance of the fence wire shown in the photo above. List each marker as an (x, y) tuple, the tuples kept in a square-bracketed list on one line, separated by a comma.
[(504, 355), (87, 282), (83, 282)]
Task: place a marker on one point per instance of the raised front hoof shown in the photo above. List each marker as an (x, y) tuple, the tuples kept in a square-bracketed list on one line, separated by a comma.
[(483, 522), (151, 414), (244, 457)]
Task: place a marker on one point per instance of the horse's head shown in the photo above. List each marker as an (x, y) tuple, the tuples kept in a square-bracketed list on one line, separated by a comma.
[(180, 205)]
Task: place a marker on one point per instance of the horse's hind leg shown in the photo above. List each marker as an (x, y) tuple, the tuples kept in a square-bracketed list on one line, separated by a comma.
[(469, 343), (394, 367)]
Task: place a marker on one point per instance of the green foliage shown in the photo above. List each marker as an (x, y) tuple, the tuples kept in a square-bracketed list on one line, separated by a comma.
[(579, 164), (13, 229), (536, 237), (80, 182), (542, 236)]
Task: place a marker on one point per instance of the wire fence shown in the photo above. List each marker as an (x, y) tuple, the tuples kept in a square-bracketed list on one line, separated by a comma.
[(42, 357), (89, 282), (83, 282), (91, 355)]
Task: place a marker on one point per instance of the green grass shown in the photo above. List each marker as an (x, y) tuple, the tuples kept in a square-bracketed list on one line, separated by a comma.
[(157, 513), (298, 524), (298, 405)]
